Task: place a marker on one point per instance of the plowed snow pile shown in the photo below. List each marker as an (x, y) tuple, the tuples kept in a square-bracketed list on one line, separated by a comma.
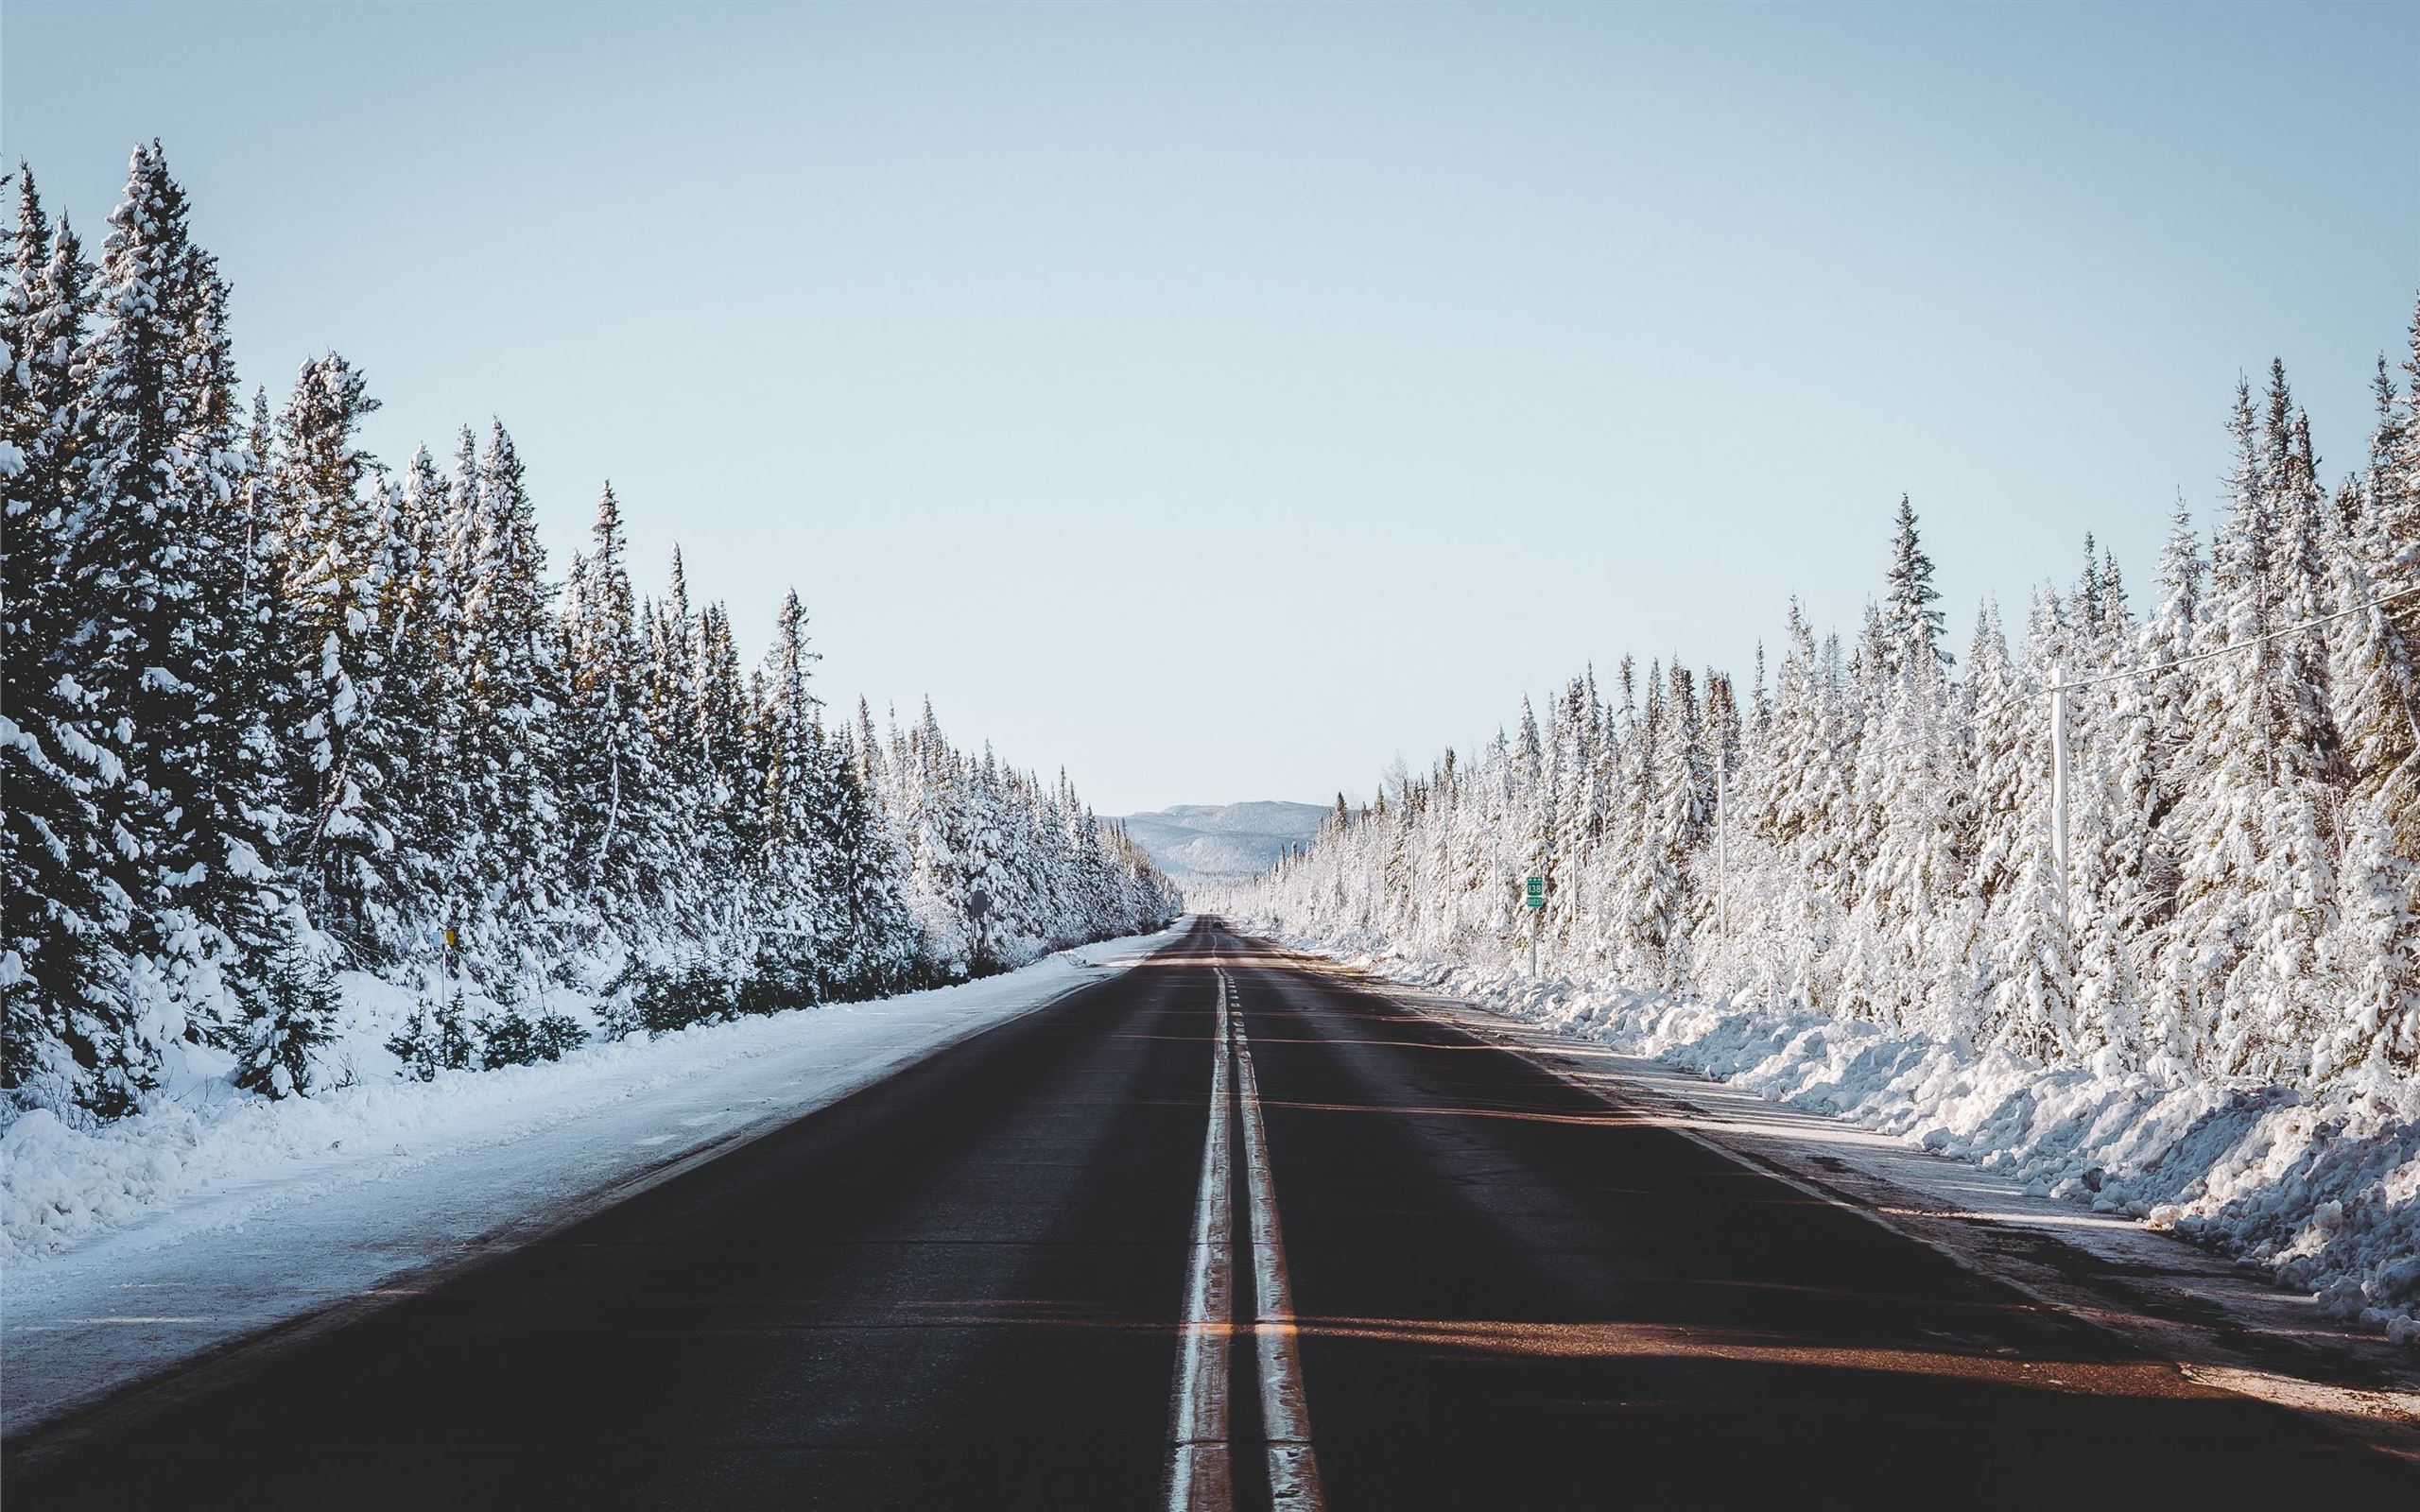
[(2321, 1191)]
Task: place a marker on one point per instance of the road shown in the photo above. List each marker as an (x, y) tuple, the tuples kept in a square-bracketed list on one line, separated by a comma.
[(1397, 1267)]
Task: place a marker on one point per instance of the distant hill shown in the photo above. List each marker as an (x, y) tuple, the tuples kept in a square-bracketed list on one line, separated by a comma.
[(1223, 840)]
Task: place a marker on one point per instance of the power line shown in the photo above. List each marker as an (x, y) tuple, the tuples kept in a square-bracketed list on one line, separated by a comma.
[(2240, 646), (2060, 689)]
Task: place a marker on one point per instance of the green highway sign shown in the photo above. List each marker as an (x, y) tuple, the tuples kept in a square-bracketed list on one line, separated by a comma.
[(1537, 894)]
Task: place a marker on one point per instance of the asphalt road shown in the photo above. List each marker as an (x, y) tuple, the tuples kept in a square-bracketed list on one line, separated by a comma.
[(990, 1281)]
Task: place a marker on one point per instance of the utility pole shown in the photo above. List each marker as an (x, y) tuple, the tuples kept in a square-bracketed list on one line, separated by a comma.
[(2061, 688), (2059, 792), (1721, 855)]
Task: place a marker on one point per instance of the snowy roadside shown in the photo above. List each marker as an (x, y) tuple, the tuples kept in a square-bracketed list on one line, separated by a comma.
[(160, 1238), (2318, 1192)]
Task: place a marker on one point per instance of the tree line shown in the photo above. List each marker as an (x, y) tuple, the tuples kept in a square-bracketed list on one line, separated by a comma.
[(275, 707), (1871, 836)]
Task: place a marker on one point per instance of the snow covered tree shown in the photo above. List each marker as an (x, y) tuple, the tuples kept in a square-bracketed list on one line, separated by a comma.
[(62, 1043), (2375, 984), (219, 856), (1914, 774), (146, 555), (1912, 627), (345, 545), (268, 707), (801, 876), (427, 695), (729, 825), (298, 1016), (2240, 891), (605, 769), (2375, 677), (513, 741)]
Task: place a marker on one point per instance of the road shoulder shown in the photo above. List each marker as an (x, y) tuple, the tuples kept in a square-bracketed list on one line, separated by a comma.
[(291, 1251), (2162, 1294)]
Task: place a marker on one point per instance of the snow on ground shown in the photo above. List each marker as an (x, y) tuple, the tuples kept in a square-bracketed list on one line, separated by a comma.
[(2319, 1191), (161, 1236)]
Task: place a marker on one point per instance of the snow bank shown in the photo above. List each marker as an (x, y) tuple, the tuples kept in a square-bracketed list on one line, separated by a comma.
[(2321, 1192), (160, 1238), (60, 1186)]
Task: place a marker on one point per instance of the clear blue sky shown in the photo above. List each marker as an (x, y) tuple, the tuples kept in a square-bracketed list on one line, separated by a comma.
[(1222, 400)]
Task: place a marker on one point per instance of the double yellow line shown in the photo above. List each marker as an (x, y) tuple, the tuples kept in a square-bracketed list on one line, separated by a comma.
[(1200, 1473)]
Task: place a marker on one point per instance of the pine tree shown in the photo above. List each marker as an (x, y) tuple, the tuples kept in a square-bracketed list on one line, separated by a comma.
[(145, 557), (2147, 775), (608, 765), (513, 740), (61, 978), (675, 825), (2374, 674), (426, 696), (244, 895), (266, 705), (1912, 627), (2155, 706), (452, 1031), (229, 900), (2240, 891), (803, 878), (345, 546), (2256, 886), (2032, 995), (298, 1016), (2376, 988), (2308, 535), (1914, 768), (877, 931), (730, 830), (2374, 702)]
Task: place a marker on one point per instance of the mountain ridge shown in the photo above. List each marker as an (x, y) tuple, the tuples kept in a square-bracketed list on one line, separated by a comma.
[(1221, 840)]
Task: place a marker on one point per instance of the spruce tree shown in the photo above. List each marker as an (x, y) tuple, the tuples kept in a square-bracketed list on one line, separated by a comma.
[(67, 917), (227, 902), (345, 546), (299, 1010), (265, 704), (728, 829), (1910, 625), (244, 895), (514, 750), (2375, 677), (869, 864), (425, 705), (414, 1044), (609, 766), (805, 883), (145, 558), (1916, 770)]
